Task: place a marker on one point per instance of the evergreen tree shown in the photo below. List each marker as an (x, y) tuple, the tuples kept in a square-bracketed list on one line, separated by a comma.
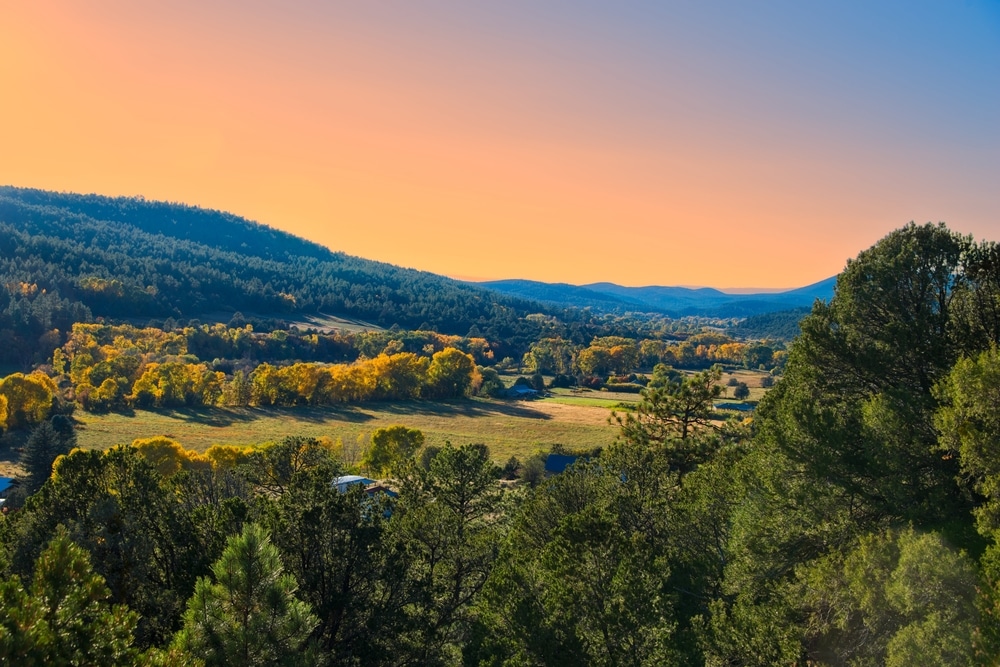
[(448, 523), (674, 416), (64, 618), (249, 616), (49, 440)]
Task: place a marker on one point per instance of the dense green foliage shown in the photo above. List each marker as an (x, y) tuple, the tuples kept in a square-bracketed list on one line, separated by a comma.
[(64, 617), (48, 441), (66, 258), (249, 615), (781, 325), (853, 520)]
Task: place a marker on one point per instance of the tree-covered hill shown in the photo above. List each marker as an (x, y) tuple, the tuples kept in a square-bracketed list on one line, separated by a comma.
[(781, 325), (671, 301), (128, 257)]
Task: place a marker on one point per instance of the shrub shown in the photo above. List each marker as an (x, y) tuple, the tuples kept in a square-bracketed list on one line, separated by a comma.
[(510, 468), (562, 381), (624, 387)]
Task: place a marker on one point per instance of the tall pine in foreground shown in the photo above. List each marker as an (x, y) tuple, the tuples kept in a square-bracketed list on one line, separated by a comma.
[(249, 615), (64, 617)]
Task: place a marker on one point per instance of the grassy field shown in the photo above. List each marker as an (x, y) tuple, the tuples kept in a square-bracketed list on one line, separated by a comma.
[(752, 378), (320, 322), (606, 400), (574, 418), (507, 427)]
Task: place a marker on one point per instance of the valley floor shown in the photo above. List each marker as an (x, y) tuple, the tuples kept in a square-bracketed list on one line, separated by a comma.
[(508, 428)]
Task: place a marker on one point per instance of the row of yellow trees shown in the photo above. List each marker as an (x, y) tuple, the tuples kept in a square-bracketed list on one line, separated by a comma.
[(28, 399), (385, 452), (449, 373)]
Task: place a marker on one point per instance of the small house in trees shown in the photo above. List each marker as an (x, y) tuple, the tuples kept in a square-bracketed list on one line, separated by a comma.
[(521, 391), (371, 487), (347, 481), (739, 407)]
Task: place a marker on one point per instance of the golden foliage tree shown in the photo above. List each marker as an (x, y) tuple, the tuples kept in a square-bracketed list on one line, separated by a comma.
[(29, 398), (169, 457)]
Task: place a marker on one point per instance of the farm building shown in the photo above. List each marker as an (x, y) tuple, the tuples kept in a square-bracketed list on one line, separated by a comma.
[(739, 407), (370, 485), (521, 391)]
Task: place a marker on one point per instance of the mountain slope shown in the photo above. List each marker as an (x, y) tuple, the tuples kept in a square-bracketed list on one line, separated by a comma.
[(126, 257)]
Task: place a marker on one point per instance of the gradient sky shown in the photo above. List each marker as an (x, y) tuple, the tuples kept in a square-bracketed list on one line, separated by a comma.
[(700, 143)]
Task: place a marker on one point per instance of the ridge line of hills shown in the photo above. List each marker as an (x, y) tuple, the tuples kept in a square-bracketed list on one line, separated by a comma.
[(671, 301), (131, 257), (127, 257)]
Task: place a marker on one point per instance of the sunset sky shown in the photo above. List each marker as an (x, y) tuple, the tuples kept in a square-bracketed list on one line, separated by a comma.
[(698, 143)]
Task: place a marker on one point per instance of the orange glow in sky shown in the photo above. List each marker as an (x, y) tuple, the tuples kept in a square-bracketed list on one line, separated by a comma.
[(652, 143)]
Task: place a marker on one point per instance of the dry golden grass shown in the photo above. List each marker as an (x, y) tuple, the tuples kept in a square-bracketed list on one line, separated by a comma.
[(576, 420), (516, 428)]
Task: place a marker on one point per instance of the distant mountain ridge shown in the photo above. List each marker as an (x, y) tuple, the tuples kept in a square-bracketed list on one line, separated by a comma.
[(671, 301)]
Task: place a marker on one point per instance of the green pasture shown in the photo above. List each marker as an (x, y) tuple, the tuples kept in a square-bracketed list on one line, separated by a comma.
[(607, 400)]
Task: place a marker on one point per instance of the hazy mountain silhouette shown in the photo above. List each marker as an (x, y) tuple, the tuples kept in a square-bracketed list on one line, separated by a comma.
[(673, 301)]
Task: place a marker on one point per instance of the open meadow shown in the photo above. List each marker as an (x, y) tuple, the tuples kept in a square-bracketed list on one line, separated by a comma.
[(509, 428), (574, 418)]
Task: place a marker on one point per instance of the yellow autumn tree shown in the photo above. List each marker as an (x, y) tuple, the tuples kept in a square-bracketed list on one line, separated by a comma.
[(398, 376), (451, 373), (29, 398), (174, 384), (169, 457), (299, 383), (390, 448), (227, 457), (265, 385)]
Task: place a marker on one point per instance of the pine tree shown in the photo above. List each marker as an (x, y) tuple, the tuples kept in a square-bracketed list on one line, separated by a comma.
[(49, 440), (249, 615), (64, 618)]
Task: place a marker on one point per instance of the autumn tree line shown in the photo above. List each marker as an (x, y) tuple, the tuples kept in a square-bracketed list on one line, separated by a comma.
[(106, 367), (147, 368)]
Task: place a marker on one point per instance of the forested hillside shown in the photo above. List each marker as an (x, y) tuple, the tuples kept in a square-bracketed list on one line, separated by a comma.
[(781, 325), (67, 258)]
